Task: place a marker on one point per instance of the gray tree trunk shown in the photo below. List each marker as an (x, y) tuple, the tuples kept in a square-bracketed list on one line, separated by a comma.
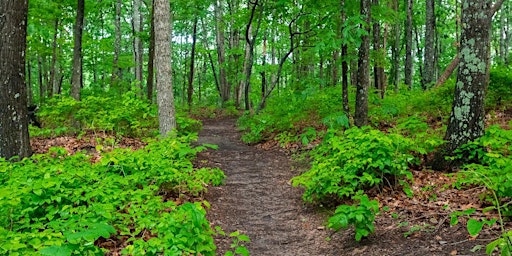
[(221, 52), (165, 96), (116, 71), (408, 44), (467, 120), (138, 51), (76, 78), (363, 70), (429, 57), (14, 137)]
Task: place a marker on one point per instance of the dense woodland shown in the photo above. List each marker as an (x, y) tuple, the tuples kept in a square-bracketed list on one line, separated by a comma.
[(366, 91)]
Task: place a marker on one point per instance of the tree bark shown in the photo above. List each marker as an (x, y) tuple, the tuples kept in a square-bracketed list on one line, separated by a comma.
[(76, 79), (138, 51), (53, 68), (151, 72), (14, 137), (363, 74), (429, 58), (190, 89), (467, 119), (165, 96), (116, 71), (408, 44), (221, 52)]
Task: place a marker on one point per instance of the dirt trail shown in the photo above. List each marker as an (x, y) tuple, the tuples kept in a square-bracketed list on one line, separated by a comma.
[(257, 198), (259, 201)]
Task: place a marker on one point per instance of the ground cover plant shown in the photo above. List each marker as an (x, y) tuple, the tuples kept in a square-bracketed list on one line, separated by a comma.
[(139, 202)]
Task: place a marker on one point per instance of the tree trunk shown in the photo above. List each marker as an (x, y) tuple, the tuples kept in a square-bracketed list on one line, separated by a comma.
[(344, 67), (363, 74), (190, 89), (250, 37), (76, 80), (467, 120), (408, 44), (53, 68), (378, 46), (165, 97), (116, 71), (151, 72), (14, 137), (138, 51), (396, 50), (429, 58), (221, 52)]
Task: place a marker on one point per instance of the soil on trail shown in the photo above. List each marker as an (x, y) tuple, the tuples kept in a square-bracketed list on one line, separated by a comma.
[(259, 201)]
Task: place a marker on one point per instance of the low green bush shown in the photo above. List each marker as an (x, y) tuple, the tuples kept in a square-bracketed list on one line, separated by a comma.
[(357, 159), (55, 204)]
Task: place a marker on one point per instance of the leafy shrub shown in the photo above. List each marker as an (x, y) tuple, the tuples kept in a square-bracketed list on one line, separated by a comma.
[(361, 215), (54, 204), (492, 163), (498, 91), (426, 139), (357, 159)]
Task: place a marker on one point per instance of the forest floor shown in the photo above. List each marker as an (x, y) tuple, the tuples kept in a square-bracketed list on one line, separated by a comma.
[(259, 201)]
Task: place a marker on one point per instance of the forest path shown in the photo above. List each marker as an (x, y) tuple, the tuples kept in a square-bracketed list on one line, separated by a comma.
[(259, 201), (257, 198)]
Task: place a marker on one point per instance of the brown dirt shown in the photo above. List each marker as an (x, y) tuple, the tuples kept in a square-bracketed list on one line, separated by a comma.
[(258, 200)]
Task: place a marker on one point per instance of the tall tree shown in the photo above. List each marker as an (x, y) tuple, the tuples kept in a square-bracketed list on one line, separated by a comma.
[(363, 68), (151, 73), (430, 50), (14, 137), (116, 71), (76, 78), (468, 116), (138, 51), (190, 89), (250, 38), (165, 95), (221, 51), (408, 43)]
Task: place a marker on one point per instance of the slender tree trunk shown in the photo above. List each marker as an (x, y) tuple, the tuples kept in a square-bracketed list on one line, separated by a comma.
[(221, 51), (40, 79), (408, 44), (449, 70), (363, 74), (190, 89), (53, 68), (138, 51), (395, 66), (165, 96), (151, 72), (430, 50), (116, 71), (14, 137), (76, 80), (250, 37), (30, 92)]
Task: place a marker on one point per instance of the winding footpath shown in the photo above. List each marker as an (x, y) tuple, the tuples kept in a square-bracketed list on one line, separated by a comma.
[(258, 199)]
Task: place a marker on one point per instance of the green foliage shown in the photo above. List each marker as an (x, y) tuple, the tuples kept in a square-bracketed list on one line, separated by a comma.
[(491, 166), (127, 115), (359, 158), (293, 111), (426, 139), (498, 92), (361, 215), (56, 204), (492, 163)]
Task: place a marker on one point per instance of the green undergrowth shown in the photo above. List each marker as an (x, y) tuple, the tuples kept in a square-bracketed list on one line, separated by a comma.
[(489, 165), (60, 204), (125, 115), (289, 114)]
